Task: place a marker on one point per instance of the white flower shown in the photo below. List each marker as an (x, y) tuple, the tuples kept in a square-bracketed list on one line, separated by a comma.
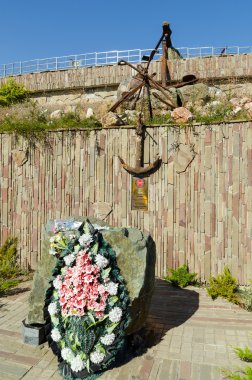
[(56, 282), (112, 288), (51, 239), (52, 308), (69, 259), (96, 357), (108, 339), (52, 251), (101, 261), (85, 238), (55, 334), (77, 364), (115, 314), (67, 354)]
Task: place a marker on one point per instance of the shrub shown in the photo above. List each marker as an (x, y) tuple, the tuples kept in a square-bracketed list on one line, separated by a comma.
[(9, 268), (181, 277), (242, 374), (244, 354), (245, 294), (11, 92), (224, 285)]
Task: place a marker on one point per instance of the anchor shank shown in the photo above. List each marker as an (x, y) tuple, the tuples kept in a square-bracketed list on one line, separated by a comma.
[(139, 144)]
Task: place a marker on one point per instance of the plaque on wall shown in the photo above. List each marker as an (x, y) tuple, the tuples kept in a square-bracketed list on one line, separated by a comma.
[(139, 194)]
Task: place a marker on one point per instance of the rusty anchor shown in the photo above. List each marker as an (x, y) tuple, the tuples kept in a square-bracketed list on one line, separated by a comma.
[(139, 170), (146, 81)]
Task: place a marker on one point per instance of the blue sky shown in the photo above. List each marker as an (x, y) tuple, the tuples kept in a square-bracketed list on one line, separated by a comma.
[(31, 29)]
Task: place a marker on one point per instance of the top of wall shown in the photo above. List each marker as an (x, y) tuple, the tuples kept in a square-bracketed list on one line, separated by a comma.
[(106, 76)]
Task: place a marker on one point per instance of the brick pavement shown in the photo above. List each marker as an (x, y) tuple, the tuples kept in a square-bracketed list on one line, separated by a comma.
[(187, 337)]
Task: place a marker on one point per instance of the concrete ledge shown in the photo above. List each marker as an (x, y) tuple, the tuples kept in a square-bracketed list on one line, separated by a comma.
[(33, 334)]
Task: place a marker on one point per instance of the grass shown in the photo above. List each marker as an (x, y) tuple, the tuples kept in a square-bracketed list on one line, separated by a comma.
[(33, 125)]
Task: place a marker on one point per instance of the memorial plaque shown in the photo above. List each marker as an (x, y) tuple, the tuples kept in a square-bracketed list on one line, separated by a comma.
[(139, 194)]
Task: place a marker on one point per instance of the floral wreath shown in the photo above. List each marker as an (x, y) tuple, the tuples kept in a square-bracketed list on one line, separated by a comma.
[(87, 303)]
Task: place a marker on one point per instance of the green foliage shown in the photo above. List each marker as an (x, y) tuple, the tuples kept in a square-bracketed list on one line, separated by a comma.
[(219, 113), (245, 294), (8, 264), (161, 119), (181, 277), (244, 354), (11, 92), (35, 126), (242, 374), (224, 285)]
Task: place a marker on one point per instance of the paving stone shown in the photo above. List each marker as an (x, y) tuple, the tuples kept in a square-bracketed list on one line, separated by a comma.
[(205, 344)]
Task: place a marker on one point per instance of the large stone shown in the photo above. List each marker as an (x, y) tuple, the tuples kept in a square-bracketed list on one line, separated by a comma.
[(193, 93), (183, 157), (56, 114), (136, 256), (111, 119), (248, 107), (20, 157), (181, 115)]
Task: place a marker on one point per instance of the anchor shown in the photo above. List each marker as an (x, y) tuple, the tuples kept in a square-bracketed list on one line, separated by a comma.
[(139, 170), (144, 82)]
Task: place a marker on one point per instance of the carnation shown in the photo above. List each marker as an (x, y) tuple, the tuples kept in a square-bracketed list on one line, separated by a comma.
[(112, 288), (108, 339), (55, 334), (69, 259), (85, 238), (101, 261), (56, 282), (67, 354), (115, 314), (96, 357), (51, 239), (77, 364), (52, 308)]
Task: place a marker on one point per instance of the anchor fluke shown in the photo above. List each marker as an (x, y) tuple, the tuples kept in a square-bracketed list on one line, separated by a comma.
[(141, 171)]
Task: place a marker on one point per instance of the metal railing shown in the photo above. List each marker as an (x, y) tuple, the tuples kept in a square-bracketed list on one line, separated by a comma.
[(109, 58)]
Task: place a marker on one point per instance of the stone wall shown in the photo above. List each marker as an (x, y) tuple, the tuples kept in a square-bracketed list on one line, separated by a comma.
[(199, 212), (110, 76)]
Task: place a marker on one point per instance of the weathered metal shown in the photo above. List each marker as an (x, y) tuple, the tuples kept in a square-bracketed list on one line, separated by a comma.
[(139, 169)]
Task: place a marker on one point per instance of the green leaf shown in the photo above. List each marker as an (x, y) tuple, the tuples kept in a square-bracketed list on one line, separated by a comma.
[(111, 328), (91, 317), (88, 365), (100, 348), (94, 249), (105, 273), (113, 300), (77, 248), (83, 356), (97, 322)]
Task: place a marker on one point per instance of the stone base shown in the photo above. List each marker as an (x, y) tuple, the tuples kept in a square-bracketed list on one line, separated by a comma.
[(33, 334)]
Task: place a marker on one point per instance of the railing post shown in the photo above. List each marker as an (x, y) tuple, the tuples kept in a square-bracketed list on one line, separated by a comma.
[(56, 63), (95, 59), (5, 70), (20, 67)]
